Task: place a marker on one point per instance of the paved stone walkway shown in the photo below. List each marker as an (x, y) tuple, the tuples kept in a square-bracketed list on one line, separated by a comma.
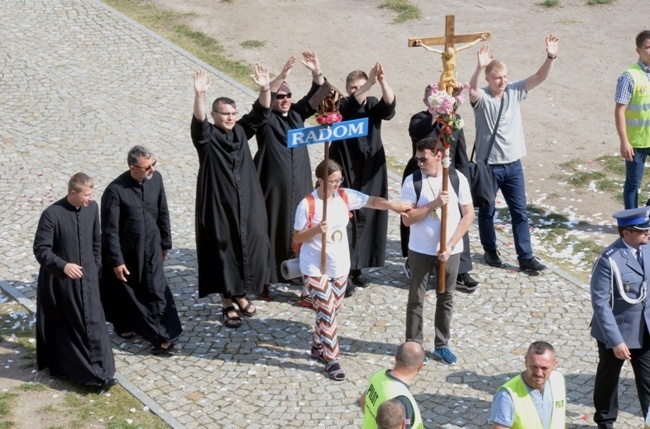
[(80, 85)]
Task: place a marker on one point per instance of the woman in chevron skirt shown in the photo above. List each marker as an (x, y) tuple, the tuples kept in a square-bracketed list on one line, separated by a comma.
[(327, 291)]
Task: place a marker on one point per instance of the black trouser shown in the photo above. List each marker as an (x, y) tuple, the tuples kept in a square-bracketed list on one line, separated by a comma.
[(606, 383)]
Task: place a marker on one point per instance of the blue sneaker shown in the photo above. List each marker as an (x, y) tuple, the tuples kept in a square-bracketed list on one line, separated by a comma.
[(445, 355)]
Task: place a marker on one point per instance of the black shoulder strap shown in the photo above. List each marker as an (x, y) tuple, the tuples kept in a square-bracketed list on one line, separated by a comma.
[(417, 184), (494, 132)]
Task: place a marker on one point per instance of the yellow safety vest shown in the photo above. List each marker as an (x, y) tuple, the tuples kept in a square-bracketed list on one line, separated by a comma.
[(637, 113), (383, 388), (526, 415)]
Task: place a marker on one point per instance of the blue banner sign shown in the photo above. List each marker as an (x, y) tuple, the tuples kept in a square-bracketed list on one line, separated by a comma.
[(322, 134)]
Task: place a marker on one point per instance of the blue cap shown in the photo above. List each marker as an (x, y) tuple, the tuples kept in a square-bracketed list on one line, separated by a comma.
[(634, 218)]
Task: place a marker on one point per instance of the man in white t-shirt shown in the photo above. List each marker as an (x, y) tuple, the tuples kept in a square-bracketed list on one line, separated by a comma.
[(424, 243)]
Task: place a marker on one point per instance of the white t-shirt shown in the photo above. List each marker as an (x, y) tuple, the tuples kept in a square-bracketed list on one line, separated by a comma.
[(338, 252), (425, 234)]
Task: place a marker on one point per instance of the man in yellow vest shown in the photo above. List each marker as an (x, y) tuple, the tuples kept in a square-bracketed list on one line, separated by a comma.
[(536, 398), (391, 415), (394, 384), (632, 116)]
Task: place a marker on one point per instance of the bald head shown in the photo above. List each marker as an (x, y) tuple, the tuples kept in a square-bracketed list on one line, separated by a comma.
[(410, 356), (391, 415)]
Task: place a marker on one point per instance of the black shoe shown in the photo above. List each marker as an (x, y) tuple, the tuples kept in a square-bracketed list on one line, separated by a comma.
[(350, 289), (105, 384), (531, 264), (492, 258), (465, 283), (360, 280), (110, 383)]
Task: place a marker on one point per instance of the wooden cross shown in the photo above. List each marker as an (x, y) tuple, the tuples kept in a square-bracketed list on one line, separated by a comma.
[(449, 39)]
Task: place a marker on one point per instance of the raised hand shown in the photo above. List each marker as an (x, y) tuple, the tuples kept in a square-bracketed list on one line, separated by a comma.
[(372, 76), (484, 56), (380, 73), (310, 61), (291, 62), (260, 76), (201, 82), (552, 45)]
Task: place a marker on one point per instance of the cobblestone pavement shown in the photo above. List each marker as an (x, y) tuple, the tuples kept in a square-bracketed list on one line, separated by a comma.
[(81, 84)]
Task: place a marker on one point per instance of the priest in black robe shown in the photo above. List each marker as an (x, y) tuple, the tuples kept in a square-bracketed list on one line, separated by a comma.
[(232, 243), (71, 335), (136, 235), (364, 169), (423, 124), (285, 173)]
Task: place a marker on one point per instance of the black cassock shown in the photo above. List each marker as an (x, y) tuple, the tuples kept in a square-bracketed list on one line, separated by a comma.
[(364, 168), (232, 244), (135, 230), (71, 334), (420, 127), (285, 177)]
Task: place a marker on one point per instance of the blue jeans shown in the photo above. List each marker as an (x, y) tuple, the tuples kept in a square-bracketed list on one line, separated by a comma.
[(633, 176), (510, 179)]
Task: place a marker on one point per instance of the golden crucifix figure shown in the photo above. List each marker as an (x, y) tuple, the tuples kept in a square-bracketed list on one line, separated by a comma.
[(449, 77)]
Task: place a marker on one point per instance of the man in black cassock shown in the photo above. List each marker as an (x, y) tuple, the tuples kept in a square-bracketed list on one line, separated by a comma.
[(423, 124), (364, 168), (285, 173), (232, 244), (71, 335), (136, 234)]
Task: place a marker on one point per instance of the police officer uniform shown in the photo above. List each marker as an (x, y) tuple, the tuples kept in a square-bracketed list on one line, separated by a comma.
[(619, 282)]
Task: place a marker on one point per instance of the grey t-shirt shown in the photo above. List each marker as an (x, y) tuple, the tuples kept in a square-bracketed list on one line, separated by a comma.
[(509, 145)]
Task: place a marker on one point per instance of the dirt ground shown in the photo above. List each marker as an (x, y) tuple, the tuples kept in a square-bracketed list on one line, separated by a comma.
[(570, 116)]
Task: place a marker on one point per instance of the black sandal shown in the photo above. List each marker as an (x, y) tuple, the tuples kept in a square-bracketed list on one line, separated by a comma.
[(159, 349), (335, 371), (246, 310), (230, 322)]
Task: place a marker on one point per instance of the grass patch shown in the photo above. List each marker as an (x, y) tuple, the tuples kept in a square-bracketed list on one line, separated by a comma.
[(550, 3), (584, 178), (613, 164), (570, 22), (32, 387), (594, 2), (252, 44), (82, 406), (173, 27), (406, 10)]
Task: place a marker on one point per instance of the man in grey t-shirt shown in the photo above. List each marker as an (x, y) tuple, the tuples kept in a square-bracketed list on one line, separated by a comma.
[(508, 148)]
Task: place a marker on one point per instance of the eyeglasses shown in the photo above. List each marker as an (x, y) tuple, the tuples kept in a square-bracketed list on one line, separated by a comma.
[(227, 113), (336, 181), (422, 160), (149, 168), (283, 96)]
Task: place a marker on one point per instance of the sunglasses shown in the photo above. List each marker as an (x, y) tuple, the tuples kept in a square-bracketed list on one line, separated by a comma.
[(283, 96), (422, 160), (149, 168)]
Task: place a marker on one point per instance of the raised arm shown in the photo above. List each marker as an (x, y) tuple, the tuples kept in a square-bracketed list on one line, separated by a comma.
[(428, 48), (483, 58), (310, 61), (261, 78), (277, 82), (201, 85), (545, 69), (470, 44), (361, 93), (387, 93)]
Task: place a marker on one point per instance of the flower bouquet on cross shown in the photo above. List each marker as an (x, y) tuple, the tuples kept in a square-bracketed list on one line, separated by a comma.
[(444, 106)]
